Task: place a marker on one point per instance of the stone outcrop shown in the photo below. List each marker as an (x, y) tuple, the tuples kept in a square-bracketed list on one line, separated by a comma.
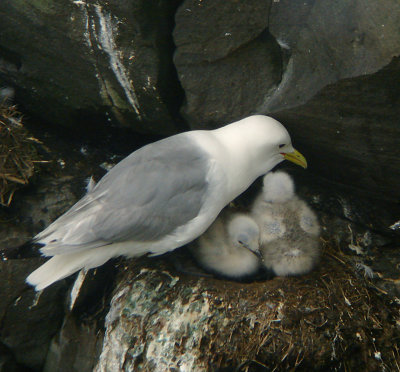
[(98, 73), (92, 62)]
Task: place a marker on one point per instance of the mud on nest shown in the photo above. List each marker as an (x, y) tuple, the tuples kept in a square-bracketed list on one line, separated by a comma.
[(18, 153)]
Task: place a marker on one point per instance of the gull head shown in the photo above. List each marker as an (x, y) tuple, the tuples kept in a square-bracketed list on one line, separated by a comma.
[(276, 144), (264, 140)]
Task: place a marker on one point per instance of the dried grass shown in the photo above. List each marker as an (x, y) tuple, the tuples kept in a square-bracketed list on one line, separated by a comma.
[(18, 154), (338, 316)]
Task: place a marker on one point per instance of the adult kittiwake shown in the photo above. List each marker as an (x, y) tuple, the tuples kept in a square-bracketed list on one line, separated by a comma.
[(289, 229), (162, 196), (230, 246)]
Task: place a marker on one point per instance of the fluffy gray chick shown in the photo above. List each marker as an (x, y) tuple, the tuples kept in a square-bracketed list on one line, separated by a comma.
[(289, 229)]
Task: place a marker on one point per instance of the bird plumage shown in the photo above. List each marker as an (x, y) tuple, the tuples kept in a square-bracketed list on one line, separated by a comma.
[(230, 246), (289, 229), (161, 197)]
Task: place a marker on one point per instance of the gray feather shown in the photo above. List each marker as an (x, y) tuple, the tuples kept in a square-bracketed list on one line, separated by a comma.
[(144, 197)]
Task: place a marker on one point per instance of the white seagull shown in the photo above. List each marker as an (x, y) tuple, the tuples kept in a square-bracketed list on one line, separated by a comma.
[(162, 196)]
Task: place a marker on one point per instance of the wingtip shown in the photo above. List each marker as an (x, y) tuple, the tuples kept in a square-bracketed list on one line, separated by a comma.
[(29, 249)]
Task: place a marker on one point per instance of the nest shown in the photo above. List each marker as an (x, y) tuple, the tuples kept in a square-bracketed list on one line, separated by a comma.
[(18, 154), (334, 318)]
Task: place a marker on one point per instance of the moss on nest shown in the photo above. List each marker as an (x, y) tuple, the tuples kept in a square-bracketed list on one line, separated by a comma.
[(18, 154), (331, 319)]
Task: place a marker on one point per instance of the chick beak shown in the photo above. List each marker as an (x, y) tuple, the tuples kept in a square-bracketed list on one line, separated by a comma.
[(258, 254)]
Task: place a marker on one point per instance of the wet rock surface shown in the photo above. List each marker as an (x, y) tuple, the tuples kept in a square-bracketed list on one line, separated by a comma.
[(84, 63)]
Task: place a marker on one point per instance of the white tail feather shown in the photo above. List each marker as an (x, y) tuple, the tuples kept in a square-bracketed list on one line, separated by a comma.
[(61, 266)]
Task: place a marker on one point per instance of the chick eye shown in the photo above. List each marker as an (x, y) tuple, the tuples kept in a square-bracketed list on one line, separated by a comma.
[(282, 145)]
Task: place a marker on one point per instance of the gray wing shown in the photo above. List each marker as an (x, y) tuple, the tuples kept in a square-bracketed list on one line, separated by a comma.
[(147, 195)]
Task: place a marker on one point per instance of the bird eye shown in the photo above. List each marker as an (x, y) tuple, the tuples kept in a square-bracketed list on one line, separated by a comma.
[(282, 145)]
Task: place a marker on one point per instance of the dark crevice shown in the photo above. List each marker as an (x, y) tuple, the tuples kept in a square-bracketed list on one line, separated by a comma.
[(10, 58), (170, 87), (8, 362)]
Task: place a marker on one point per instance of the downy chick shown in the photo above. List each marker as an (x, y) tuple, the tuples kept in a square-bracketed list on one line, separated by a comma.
[(230, 247), (289, 229)]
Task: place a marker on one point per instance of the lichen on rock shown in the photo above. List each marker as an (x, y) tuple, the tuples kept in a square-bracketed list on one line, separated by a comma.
[(161, 319)]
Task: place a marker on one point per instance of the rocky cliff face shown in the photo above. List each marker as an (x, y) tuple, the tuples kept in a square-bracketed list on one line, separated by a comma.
[(86, 61), (101, 76)]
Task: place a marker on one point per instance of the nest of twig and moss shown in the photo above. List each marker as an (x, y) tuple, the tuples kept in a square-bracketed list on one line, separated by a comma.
[(334, 318), (18, 154)]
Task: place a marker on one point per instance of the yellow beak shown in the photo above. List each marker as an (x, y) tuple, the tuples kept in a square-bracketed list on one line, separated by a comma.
[(296, 157)]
